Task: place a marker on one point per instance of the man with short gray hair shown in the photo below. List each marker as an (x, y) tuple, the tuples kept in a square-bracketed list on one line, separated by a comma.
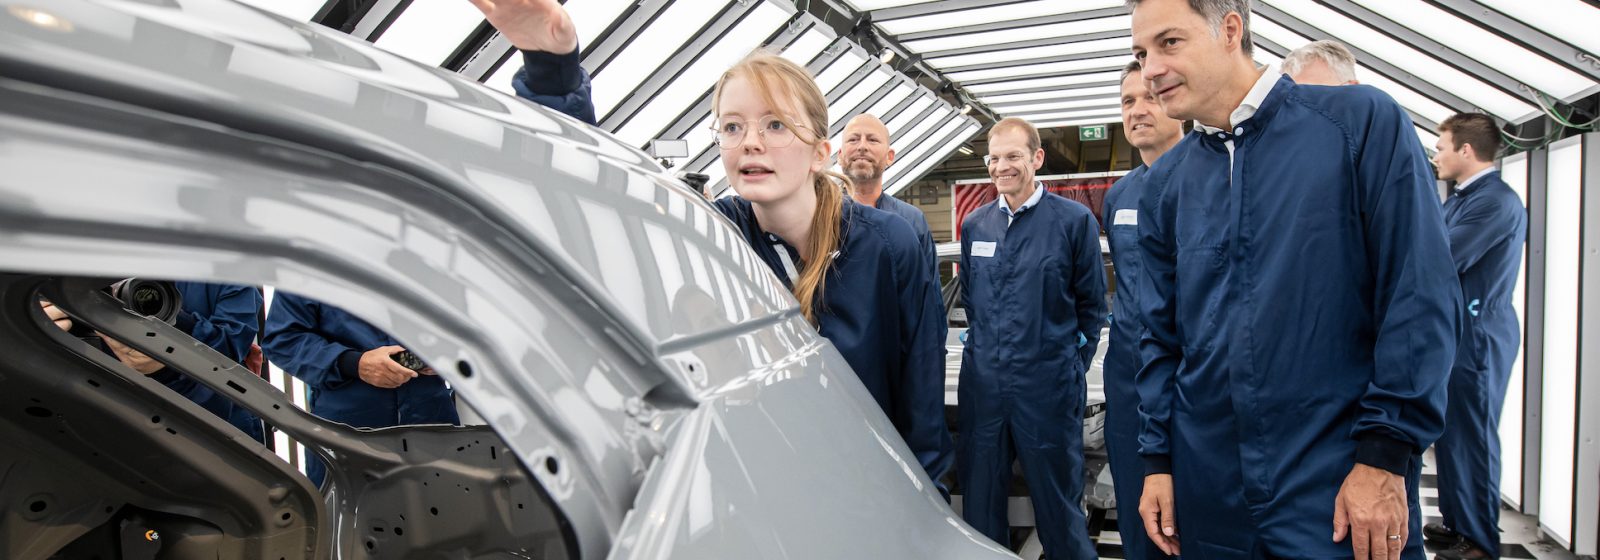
[(1321, 63)]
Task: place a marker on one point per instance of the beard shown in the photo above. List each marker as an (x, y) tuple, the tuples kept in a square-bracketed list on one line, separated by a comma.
[(863, 172)]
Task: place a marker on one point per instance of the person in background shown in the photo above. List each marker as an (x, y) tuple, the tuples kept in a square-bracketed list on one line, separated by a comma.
[(1300, 306), (864, 157), (1321, 63), (860, 274), (1488, 225), (1035, 292), (224, 317), (1151, 132)]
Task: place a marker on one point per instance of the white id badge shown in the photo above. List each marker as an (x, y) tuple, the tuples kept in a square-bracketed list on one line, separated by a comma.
[(983, 248), (1126, 217)]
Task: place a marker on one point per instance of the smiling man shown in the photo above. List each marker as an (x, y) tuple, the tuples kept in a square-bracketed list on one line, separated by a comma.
[(1153, 133), (1034, 288), (864, 155), (1301, 305)]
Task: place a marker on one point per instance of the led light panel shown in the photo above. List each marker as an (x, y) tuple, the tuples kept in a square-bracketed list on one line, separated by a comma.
[(1514, 170), (1075, 122), (933, 144), (899, 180), (1422, 66), (1049, 31), (1114, 114), (842, 67), (701, 75), (993, 14), (1101, 104), (1564, 256), (429, 30), (1120, 44), (1113, 91), (652, 47), (1038, 69), (803, 50), (1568, 20), (1481, 45), (1057, 81), (591, 17)]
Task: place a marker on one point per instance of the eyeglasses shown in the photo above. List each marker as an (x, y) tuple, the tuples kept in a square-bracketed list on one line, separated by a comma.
[(774, 133), (1013, 159)]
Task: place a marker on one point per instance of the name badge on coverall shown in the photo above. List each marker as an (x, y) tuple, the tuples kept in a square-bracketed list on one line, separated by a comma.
[(1126, 217), (982, 248)]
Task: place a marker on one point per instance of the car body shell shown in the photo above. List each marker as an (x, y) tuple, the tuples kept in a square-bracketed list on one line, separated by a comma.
[(640, 362)]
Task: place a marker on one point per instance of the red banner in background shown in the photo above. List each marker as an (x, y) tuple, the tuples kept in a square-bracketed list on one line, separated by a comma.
[(1090, 192)]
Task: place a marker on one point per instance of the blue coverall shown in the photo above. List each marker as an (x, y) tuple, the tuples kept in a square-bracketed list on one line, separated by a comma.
[(322, 345), (878, 311), (1302, 315), (1122, 364), (226, 318), (1034, 289), (1487, 225)]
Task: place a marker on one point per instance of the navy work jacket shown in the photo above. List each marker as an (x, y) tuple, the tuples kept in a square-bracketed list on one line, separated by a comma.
[(878, 310), (322, 345), (1122, 233), (1488, 225), (1035, 293), (1301, 306), (226, 318)]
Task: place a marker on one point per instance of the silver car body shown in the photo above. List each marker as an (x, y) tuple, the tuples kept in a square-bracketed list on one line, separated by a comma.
[(642, 363)]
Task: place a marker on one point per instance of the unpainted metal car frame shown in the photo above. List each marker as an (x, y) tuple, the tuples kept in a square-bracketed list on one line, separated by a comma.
[(641, 373)]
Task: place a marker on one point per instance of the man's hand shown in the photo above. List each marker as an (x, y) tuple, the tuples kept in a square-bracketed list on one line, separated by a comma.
[(1160, 517), (381, 371), (56, 314), (1371, 508), (532, 25), (132, 358)]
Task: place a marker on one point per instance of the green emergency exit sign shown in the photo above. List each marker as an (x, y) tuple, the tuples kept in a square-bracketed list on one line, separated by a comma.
[(1088, 133)]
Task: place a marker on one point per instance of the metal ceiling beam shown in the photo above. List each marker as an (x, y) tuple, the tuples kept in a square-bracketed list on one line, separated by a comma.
[(687, 54), (1282, 51), (620, 35), (1013, 24), (1376, 63), (1438, 51), (1513, 30)]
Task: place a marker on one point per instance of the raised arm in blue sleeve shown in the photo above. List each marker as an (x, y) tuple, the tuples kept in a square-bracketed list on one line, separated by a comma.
[(557, 81), (1160, 347), (224, 317), (293, 342), (920, 397), (1089, 286), (1417, 293)]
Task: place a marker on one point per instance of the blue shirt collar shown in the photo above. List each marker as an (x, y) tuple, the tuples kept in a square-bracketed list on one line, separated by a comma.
[(1038, 194)]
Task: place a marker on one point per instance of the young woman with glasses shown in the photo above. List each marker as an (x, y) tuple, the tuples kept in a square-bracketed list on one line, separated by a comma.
[(857, 272)]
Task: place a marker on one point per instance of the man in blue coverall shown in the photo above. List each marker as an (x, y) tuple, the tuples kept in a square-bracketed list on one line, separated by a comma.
[(1301, 307), (346, 361), (1151, 132), (864, 154), (1488, 225), (1034, 288), (224, 317)]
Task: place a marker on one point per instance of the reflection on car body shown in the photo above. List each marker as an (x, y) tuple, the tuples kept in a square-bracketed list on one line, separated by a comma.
[(650, 389)]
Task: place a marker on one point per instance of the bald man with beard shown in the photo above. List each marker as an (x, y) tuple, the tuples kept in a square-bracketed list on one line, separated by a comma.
[(864, 155)]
